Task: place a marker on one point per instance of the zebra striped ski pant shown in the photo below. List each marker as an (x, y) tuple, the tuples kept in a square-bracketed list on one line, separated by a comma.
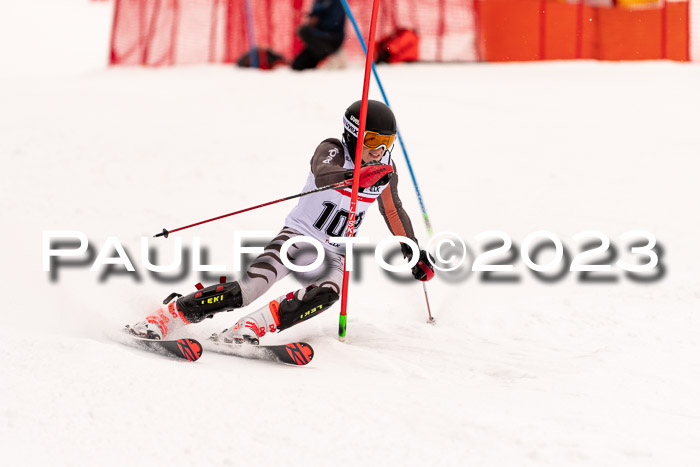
[(267, 268)]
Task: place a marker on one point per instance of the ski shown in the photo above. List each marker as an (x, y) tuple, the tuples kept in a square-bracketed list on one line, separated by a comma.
[(295, 353), (186, 349)]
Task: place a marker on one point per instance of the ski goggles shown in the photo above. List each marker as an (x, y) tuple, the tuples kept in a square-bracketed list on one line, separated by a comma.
[(374, 140)]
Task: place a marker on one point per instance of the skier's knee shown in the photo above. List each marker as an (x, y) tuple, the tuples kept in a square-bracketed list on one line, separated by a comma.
[(208, 301), (304, 304)]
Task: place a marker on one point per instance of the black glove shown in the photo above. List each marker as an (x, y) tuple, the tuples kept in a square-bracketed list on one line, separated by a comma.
[(423, 270)]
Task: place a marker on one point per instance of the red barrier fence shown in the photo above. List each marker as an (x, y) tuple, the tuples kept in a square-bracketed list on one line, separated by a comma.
[(170, 32)]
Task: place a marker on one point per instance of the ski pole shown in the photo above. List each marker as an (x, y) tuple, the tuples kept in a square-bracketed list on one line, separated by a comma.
[(431, 320), (333, 186)]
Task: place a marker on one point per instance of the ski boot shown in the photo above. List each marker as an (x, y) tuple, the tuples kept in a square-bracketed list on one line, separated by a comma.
[(157, 325), (279, 315), (179, 311), (146, 329), (206, 302)]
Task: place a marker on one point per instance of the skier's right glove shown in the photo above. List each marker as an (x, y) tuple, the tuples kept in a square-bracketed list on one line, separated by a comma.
[(423, 270), (372, 173)]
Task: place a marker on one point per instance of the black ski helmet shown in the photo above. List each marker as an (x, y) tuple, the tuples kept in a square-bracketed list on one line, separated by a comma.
[(380, 118)]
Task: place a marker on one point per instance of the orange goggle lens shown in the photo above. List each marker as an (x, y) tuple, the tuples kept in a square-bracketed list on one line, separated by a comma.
[(374, 140)]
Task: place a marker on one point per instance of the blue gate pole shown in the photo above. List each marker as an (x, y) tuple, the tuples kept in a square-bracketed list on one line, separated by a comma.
[(386, 101), (250, 27)]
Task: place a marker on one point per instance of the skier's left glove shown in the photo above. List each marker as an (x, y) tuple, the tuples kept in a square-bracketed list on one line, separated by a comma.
[(423, 270)]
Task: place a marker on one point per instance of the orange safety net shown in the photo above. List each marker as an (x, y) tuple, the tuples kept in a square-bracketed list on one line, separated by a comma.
[(511, 30)]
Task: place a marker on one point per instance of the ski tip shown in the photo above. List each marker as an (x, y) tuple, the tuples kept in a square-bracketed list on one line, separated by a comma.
[(186, 349), (300, 353), (189, 349)]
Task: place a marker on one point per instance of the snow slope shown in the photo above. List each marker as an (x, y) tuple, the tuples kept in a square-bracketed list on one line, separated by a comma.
[(515, 373)]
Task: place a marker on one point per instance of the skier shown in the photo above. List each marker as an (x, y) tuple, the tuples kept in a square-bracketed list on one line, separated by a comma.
[(320, 215)]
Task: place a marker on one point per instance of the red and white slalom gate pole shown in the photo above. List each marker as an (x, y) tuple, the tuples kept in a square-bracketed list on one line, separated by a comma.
[(358, 163)]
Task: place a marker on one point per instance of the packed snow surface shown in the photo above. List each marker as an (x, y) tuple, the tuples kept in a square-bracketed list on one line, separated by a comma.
[(518, 372)]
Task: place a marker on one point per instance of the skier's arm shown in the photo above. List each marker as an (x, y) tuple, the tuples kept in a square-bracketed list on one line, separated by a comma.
[(400, 224), (327, 167), (327, 163), (392, 210)]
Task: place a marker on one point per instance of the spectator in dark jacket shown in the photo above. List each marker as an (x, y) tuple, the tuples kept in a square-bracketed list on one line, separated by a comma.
[(322, 34)]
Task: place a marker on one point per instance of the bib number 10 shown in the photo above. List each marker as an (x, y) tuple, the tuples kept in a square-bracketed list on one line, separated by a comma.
[(334, 221)]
